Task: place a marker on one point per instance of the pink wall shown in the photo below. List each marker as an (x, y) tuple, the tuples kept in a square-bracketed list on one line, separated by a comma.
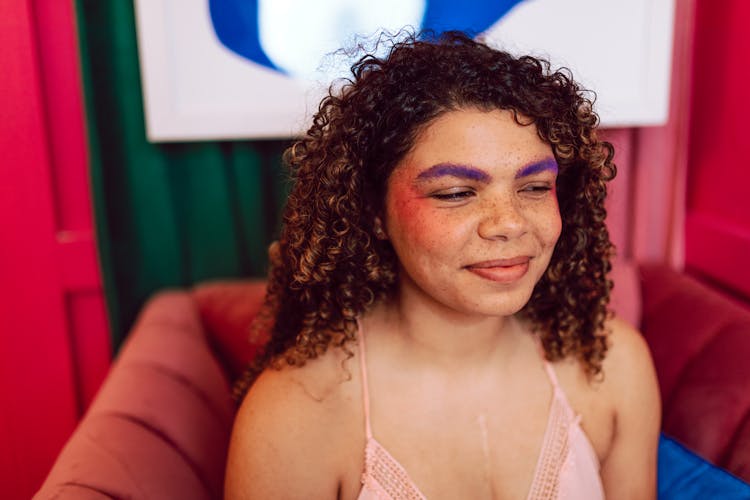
[(718, 188), (54, 347)]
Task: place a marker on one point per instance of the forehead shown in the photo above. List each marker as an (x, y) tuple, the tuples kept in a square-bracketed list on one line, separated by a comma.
[(490, 140)]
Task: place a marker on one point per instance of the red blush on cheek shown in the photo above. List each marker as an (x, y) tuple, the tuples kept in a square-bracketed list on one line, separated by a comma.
[(412, 214)]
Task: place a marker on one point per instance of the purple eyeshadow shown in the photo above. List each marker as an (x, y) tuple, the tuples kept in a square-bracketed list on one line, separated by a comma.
[(461, 171), (536, 167)]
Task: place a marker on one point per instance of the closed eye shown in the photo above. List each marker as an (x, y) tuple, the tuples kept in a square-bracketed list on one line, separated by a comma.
[(453, 196), (537, 189)]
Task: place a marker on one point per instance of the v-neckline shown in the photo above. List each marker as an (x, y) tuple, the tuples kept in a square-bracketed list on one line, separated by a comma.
[(554, 436), (553, 449)]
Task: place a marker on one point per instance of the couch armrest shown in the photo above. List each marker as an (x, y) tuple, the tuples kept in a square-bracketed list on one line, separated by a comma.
[(159, 426), (700, 341)]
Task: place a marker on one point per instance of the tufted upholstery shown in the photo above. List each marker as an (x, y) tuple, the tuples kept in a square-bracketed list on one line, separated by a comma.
[(159, 426)]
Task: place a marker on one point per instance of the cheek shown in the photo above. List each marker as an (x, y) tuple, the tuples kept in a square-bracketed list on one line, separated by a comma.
[(407, 216), (555, 226), (555, 232), (413, 223), (548, 223)]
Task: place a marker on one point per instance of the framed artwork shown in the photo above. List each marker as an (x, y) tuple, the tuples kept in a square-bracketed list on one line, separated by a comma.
[(239, 69)]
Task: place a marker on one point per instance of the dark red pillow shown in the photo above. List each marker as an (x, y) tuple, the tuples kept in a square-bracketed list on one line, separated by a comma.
[(227, 308)]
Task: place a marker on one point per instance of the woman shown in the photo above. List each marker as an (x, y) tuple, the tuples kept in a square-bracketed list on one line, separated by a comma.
[(437, 300)]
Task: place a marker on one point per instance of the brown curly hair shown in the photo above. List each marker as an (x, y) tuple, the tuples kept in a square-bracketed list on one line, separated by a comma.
[(328, 266)]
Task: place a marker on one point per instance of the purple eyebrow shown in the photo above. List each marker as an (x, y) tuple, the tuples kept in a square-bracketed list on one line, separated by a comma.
[(536, 167), (462, 171)]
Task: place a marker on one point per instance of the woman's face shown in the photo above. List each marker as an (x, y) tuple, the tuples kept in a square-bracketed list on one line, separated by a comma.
[(472, 213)]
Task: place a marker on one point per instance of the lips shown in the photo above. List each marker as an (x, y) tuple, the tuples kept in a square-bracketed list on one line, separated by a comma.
[(501, 270)]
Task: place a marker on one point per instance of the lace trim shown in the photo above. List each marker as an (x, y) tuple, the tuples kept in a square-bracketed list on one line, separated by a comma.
[(384, 475), (387, 474), (555, 449)]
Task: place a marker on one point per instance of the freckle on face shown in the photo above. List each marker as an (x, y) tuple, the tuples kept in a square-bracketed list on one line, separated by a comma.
[(438, 242)]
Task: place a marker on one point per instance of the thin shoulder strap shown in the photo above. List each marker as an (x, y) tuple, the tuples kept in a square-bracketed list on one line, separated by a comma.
[(365, 385), (551, 375), (560, 393), (558, 390)]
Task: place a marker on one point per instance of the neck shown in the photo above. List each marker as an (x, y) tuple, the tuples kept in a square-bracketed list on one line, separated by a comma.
[(435, 336)]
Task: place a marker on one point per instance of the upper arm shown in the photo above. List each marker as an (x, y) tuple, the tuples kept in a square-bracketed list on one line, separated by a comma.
[(629, 471), (279, 444)]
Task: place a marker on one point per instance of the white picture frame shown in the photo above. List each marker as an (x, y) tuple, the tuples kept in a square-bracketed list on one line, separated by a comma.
[(194, 88)]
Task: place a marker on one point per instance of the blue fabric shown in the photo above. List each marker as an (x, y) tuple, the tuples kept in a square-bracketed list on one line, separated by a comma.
[(683, 475)]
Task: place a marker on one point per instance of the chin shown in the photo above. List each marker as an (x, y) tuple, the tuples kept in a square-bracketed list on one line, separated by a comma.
[(507, 305)]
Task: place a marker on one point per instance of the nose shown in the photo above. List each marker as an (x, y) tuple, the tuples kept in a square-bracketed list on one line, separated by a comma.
[(501, 220)]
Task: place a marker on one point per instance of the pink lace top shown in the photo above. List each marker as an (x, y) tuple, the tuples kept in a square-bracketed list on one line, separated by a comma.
[(567, 467)]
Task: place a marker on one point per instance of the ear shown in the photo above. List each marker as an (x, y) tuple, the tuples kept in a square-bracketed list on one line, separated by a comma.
[(378, 228), (274, 253)]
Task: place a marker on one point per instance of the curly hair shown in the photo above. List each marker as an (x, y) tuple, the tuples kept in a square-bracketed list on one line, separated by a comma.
[(328, 267)]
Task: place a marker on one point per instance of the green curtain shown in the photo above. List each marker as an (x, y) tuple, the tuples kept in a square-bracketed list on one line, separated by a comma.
[(166, 214)]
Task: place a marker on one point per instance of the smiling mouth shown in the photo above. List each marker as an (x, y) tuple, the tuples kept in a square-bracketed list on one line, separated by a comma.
[(502, 270)]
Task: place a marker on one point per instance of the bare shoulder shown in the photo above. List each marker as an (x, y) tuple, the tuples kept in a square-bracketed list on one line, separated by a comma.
[(628, 355), (629, 373), (630, 378), (287, 432)]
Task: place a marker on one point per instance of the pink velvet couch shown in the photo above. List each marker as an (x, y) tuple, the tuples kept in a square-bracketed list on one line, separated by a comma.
[(160, 425)]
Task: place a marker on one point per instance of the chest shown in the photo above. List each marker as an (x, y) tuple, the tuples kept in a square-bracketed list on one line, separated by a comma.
[(471, 445), (469, 450)]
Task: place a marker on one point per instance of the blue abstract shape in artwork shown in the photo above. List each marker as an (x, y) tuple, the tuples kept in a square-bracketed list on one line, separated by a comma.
[(236, 25), (472, 17), (235, 22)]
